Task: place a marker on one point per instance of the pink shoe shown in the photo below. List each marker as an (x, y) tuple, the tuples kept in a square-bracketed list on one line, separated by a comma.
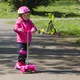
[(30, 68), (19, 64), (33, 68), (22, 69)]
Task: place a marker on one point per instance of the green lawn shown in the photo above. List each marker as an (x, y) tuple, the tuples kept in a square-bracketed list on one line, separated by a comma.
[(67, 28), (59, 9)]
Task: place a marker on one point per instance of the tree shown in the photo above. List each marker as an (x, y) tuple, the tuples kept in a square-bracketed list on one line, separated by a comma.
[(30, 3)]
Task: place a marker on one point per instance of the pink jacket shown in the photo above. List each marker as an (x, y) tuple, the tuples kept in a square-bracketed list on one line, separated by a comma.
[(26, 26)]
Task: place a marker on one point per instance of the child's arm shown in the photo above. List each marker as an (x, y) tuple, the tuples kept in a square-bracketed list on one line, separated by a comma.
[(34, 29), (17, 28)]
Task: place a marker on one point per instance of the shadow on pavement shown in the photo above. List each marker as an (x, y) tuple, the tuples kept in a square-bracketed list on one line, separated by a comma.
[(8, 53), (49, 55), (59, 71), (52, 56)]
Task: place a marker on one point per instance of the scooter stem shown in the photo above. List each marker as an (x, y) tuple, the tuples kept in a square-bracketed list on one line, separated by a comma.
[(27, 48)]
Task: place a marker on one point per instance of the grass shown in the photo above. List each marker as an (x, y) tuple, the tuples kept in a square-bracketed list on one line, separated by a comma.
[(5, 11), (67, 28), (59, 9)]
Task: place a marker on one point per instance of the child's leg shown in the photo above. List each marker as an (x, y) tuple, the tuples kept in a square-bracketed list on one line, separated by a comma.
[(22, 56), (22, 52)]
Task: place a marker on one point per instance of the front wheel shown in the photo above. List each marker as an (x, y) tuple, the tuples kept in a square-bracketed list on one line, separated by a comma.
[(52, 31)]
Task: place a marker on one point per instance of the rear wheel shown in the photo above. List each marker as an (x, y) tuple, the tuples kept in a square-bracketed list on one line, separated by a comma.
[(52, 31)]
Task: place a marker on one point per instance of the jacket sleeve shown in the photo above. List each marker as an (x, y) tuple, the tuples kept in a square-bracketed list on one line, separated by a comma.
[(17, 27), (34, 27)]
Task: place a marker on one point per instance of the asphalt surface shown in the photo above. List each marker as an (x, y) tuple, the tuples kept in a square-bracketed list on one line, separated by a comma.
[(55, 58)]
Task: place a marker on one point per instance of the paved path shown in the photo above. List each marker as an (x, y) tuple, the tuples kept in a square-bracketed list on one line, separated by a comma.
[(55, 58)]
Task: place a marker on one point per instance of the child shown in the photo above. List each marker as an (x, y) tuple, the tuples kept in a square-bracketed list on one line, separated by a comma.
[(23, 26)]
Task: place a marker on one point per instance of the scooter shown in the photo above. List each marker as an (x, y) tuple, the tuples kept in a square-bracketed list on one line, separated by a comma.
[(28, 67)]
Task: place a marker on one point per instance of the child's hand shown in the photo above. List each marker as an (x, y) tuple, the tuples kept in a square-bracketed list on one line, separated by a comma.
[(33, 30), (21, 29)]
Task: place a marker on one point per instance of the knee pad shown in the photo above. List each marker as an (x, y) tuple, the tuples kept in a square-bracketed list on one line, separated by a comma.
[(23, 52)]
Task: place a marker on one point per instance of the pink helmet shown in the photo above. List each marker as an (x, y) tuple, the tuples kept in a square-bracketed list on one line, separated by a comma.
[(23, 9)]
